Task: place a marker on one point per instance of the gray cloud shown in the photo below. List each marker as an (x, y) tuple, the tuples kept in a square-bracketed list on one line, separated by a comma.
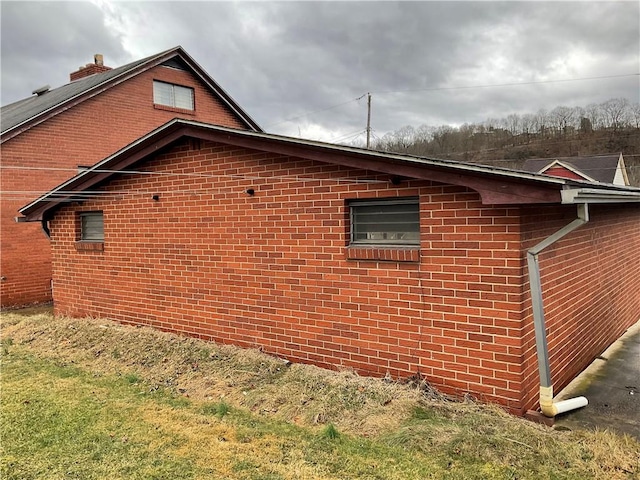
[(282, 59), (42, 42)]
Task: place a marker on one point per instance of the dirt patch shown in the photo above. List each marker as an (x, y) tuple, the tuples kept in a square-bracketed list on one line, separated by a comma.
[(27, 311)]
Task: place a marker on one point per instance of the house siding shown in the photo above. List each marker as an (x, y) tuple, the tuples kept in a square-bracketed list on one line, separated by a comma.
[(591, 287), (81, 135), (562, 173), (274, 270)]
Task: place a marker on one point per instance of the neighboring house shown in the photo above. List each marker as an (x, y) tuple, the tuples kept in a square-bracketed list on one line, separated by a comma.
[(350, 258), (48, 136), (602, 168)]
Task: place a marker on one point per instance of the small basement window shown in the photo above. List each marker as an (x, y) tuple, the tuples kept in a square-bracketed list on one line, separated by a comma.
[(385, 222), (91, 227), (172, 95)]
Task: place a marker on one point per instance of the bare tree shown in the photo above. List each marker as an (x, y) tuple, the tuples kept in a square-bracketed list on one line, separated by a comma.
[(528, 124), (635, 114), (576, 117), (562, 117), (442, 137), (491, 124), (594, 113), (424, 133), (405, 136), (615, 112), (386, 142), (541, 121), (465, 137), (512, 123)]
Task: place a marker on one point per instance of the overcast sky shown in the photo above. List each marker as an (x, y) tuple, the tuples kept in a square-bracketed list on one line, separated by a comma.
[(282, 60)]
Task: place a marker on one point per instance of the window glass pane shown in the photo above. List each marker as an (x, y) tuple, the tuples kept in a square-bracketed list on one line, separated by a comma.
[(183, 97), (92, 226), (162, 93), (386, 222), (172, 95)]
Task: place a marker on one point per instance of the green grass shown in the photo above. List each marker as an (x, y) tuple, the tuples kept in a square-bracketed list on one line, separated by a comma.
[(331, 432), (5, 343), (60, 422), (219, 409), (198, 412)]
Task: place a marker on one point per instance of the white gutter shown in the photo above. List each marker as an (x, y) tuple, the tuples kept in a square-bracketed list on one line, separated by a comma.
[(548, 407), (600, 195)]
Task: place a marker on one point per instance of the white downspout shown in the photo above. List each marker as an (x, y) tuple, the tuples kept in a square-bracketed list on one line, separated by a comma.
[(548, 407)]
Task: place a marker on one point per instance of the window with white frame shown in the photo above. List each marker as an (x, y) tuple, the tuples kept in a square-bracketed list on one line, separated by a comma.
[(172, 95), (385, 221), (91, 227)]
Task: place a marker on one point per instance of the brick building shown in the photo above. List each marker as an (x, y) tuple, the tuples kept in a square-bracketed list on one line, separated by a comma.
[(46, 137), (349, 258)]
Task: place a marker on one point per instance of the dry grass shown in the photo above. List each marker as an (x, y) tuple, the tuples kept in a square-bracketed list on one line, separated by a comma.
[(458, 437), (203, 371)]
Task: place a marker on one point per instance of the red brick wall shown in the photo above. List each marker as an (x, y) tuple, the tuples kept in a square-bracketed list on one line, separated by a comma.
[(591, 287), (81, 135), (274, 269), (88, 70)]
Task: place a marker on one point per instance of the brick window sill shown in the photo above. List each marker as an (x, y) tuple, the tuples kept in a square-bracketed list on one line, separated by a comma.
[(90, 246), (384, 254), (173, 109)]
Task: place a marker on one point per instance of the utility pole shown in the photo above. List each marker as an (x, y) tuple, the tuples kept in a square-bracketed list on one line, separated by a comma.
[(368, 119)]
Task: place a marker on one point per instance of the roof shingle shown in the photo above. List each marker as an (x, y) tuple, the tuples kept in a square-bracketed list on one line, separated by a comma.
[(599, 168)]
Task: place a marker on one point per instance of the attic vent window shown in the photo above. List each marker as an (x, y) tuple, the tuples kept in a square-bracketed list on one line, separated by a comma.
[(171, 95)]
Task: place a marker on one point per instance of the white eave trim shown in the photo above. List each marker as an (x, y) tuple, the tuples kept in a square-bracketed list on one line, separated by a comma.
[(597, 195)]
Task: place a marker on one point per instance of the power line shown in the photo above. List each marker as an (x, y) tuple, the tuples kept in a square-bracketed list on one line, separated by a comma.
[(346, 136), (28, 195), (63, 197), (536, 82), (79, 195), (463, 87), (337, 179), (185, 174), (331, 107)]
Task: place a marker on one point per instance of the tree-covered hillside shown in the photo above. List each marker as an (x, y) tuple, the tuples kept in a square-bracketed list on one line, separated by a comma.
[(606, 128)]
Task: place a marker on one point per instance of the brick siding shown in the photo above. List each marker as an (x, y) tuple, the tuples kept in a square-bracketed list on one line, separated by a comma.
[(591, 287), (81, 135), (273, 270)]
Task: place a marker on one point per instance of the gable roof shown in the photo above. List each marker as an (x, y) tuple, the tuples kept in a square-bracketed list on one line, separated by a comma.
[(496, 185), (601, 168), (24, 114)]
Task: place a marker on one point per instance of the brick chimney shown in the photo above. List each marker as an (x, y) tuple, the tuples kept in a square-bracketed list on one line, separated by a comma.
[(97, 66)]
